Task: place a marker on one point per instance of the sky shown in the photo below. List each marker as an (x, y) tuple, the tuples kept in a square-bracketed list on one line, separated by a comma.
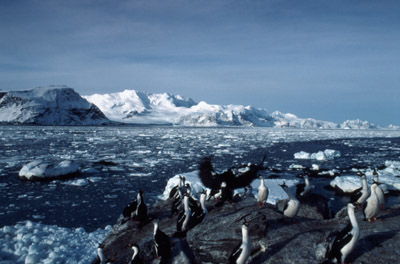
[(327, 60)]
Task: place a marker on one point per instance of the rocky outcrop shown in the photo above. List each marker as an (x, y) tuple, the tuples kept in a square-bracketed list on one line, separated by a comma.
[(273, 240)]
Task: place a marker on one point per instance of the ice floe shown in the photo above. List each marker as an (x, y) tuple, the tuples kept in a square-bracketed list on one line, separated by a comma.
[(276, 192), (389, 177), (30, 242), (328, 154), (41, 170)]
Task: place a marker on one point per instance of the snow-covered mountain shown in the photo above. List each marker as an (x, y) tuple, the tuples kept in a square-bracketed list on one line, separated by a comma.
[(60, 105), (131, 106), (51, 105)]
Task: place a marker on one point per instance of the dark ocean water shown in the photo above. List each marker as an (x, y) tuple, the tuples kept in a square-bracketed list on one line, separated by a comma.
[(120, 160)]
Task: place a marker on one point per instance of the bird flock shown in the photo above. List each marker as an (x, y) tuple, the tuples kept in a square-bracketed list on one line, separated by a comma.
[(191, 212)]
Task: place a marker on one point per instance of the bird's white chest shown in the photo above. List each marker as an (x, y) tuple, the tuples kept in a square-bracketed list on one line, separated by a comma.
[(244, 255), (292, 209)]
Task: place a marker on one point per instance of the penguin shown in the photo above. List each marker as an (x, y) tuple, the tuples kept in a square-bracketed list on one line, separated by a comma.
[(371, 206), (378, 190), (346, 239), (197, 218), (141, 209), (162, 244), (262, 194), (100, 254), (303, 190), (242, 251), (360, 197), (184, 218), (136, 259), (129, 209), (226, 195), (174, 191), (292, 206)]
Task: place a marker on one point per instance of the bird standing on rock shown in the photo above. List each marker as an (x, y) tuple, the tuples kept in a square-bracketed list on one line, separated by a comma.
[(162, 244), (346, 239), (262, 194), (362, 195), (136, 259), (242, 252), (292, 206), (371, 206)]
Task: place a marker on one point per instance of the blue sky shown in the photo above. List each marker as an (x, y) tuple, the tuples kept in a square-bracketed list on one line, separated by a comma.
[(328, 60)]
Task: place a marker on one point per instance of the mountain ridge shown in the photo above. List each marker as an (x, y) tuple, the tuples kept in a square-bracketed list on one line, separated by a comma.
[(61, 105)]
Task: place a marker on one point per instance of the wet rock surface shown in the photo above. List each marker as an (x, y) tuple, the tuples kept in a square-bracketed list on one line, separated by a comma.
[(273, 240)]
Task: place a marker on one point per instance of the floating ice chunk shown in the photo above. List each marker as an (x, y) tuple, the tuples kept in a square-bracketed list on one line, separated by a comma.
[(295, 167), (315, 167), (77, 182), (347, 184), (40, 169), (302, 155), (327, 154)]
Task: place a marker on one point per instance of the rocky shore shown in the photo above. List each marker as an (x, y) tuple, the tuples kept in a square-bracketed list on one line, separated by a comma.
[(303, 240)]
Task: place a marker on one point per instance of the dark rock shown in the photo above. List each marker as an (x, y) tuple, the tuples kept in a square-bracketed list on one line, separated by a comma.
[(302, 240)]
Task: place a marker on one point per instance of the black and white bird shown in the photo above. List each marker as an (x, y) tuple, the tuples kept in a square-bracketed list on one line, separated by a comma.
[(184, 218), (137, 210), (302, 190), (371, 205), (162, 244), (291, 208), (362, 195), (233, 177), (379, 189), (262, 194), (100, 254), (199, 216), (346, 239), (175, 190), (141, 209), (242, 251), (226, 194), (136, 259), (101, 257)]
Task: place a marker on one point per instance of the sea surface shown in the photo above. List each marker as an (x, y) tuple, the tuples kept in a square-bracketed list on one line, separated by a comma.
[(116, 161)]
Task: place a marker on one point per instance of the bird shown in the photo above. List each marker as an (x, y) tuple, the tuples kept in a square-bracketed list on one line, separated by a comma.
[(198, 217), (262, 194), (302, 190), (162, 244), (129, 209), (141, 209), (100, 254), (174, 191), (182, 224), (292, 206), (226, 194), (233, 177), (371, 206), (362, 195), (242, 251), (136, 259), (346, 239), (378, 190)]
